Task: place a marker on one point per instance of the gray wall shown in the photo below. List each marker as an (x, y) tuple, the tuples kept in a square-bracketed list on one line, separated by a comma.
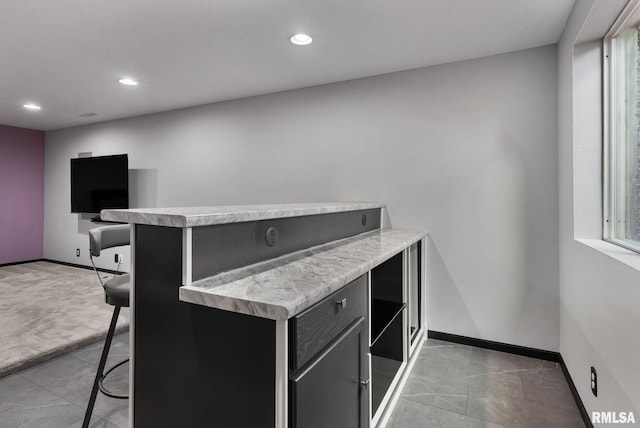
[(466, 150), (599, 282)]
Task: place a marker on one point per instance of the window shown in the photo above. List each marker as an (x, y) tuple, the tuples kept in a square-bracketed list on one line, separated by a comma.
[(622, 130)]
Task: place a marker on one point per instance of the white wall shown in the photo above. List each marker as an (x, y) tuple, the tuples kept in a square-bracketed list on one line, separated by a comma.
[(467, 150), (599, 292)]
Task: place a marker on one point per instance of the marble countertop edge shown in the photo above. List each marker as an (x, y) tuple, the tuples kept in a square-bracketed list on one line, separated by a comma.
[(259, 309)]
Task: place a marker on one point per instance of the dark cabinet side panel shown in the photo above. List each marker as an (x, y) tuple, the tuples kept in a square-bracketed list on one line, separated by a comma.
[(194, 366)]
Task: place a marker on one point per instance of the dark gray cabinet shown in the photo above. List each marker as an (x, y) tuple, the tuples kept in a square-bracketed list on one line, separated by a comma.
[(347, 352), (328, 361), (206, 357), (330, 393)]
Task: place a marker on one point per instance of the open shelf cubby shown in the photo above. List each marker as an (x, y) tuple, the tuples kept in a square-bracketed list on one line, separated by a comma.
[(387, 326), (385, 312), (386, 294)]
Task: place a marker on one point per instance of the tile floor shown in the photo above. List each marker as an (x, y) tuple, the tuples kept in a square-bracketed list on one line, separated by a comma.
[(461, 386), (54, 394), (451, 385)]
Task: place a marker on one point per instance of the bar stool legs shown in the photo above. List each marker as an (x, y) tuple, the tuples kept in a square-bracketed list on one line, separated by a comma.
[(100, 375)]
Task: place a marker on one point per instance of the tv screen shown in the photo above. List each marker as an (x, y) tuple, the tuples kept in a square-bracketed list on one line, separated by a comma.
[(99, 182)]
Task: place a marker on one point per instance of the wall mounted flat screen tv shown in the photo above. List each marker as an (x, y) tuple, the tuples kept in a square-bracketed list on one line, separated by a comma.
[(100, 182)]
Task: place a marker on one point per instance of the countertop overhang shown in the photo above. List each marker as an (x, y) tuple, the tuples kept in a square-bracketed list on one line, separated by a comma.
[(207, 216), (281, 288)]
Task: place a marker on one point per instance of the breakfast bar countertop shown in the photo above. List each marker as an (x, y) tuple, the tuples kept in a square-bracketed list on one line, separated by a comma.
[(207, 216), (285, 286)]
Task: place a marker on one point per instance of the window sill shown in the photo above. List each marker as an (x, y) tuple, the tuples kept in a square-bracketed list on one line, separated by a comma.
[(616, 252)]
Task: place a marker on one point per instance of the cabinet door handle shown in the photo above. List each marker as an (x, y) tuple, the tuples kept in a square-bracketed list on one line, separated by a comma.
[(342, 303)]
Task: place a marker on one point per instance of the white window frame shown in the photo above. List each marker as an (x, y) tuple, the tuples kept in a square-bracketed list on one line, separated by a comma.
[(609, 131)]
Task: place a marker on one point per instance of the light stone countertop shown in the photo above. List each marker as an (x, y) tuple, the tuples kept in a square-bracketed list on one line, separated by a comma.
[(283, 287), (206, 216)]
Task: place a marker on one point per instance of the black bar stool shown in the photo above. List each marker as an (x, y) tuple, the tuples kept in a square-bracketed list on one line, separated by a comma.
[(116, 291)]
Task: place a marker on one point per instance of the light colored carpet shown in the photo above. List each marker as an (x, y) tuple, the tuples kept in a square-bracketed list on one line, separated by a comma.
[(47, 309)]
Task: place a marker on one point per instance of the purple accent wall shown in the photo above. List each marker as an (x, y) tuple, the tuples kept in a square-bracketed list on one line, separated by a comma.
[(21, 194)]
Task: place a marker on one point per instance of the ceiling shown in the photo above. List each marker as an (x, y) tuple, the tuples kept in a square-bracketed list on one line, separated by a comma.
[(67, 55)]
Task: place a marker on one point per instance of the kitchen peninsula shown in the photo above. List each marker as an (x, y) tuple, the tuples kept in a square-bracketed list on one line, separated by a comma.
[(296, 315)]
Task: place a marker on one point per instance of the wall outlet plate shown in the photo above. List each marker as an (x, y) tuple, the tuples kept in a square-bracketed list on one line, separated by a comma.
[(594, 381)]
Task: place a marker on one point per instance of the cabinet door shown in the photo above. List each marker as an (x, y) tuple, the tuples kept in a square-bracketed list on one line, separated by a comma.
[(330, 393)]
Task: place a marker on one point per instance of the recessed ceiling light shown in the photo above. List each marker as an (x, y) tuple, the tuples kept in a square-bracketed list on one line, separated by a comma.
[(31, 106), (301, 39), (127, 81)]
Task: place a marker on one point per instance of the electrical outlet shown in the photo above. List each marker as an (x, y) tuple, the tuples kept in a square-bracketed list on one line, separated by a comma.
[(116, 258), (271, 236), (594, 381), (77, 252)]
